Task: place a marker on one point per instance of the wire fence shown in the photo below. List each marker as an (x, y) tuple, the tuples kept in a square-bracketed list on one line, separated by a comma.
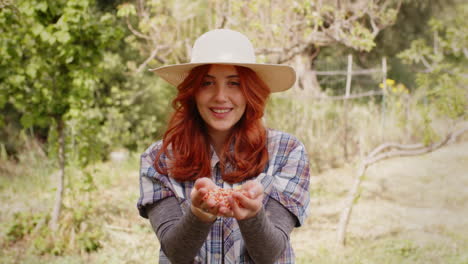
[(344, 83)]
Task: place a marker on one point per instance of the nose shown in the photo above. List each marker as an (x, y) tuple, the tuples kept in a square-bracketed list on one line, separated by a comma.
[(220, 92)]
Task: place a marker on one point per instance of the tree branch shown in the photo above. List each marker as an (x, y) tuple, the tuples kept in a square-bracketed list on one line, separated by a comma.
[(136, 32), (426, 63), (141, 9), (385, 146), (152, 56), (293, 53), (375, 28), (374, 157)]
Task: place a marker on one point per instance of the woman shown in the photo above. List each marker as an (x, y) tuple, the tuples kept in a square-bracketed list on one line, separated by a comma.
[(216, 139)]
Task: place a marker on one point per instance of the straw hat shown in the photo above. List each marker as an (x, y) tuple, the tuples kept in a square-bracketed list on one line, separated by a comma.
[(224, 46)]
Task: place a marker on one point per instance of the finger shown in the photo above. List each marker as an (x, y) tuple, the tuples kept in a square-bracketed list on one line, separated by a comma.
[(246, 202), (202, 182), (201, 188), (235, 208), (214, 210), (210, 202), (224, 211), (248, 185), (253, 189), (255, 192), (230, 214), (197, 196)]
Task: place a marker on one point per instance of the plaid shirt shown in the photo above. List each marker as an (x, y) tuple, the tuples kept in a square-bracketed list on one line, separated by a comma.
[(285, 179)]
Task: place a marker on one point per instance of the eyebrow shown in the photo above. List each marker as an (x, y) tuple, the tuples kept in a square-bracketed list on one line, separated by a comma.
[(229, 76)]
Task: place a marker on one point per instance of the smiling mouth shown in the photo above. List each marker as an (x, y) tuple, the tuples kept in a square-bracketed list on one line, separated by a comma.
[(221, 110)]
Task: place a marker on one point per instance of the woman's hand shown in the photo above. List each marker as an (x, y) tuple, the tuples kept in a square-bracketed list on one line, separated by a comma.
[(205, 209), (248, 202)]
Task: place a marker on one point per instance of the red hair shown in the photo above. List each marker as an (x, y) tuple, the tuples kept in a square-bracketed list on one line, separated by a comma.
[(186, 134)]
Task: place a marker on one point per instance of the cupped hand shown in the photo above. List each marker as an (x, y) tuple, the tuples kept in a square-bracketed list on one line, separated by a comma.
[(205, 209), (248, 202)]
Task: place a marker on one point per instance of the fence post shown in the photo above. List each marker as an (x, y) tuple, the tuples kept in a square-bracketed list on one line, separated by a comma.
[(384, 83), (349, 76)]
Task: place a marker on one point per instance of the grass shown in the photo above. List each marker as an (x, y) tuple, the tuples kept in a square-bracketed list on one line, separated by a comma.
[(126, 238), (411, 210), (336, 133)]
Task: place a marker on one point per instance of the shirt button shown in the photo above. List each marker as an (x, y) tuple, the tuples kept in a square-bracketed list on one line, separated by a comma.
[(217, 256), (220, 181)]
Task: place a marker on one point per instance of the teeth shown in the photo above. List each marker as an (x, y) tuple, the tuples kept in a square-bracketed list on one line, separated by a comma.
[(221, 111)]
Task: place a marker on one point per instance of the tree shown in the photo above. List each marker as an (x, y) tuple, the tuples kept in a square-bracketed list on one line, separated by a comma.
[(52, 54), (283, 31), (441, 78), (165, 30), (410, 24)]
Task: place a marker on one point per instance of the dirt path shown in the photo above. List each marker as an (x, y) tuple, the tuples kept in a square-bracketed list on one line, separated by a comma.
[(423, 200)]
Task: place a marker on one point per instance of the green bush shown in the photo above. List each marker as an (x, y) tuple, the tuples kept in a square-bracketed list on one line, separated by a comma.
[(23, 224)]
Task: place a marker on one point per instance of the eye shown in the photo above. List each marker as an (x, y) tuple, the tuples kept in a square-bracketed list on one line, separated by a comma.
[(234, 83), (207, 83)]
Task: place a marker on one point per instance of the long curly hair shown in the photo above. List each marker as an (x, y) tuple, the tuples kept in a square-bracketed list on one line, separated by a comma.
[(186, 141)]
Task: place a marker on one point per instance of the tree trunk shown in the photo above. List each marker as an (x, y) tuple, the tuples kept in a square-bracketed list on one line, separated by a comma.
[(306, 76), (61, 176)]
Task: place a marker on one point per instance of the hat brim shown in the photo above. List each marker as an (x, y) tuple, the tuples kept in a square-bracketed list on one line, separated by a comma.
[(277, 77)]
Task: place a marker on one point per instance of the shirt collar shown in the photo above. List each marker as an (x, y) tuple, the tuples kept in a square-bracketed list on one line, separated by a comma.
[(215, 158)]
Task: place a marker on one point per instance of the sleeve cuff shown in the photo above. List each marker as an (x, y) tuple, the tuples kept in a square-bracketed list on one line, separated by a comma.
[(195, 222), (253, 223)]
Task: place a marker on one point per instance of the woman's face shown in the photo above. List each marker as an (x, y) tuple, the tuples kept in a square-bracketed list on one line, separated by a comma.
[(220, 100)]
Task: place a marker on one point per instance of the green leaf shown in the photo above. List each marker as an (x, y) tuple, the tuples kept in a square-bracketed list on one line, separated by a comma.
[(3, 100), (27, 120), (31, 70), (62, 36), (47, 37), (43, 121), (16, 80), (106, 18), (37, 29), (26, 8), (125, 10), (41, 6)]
